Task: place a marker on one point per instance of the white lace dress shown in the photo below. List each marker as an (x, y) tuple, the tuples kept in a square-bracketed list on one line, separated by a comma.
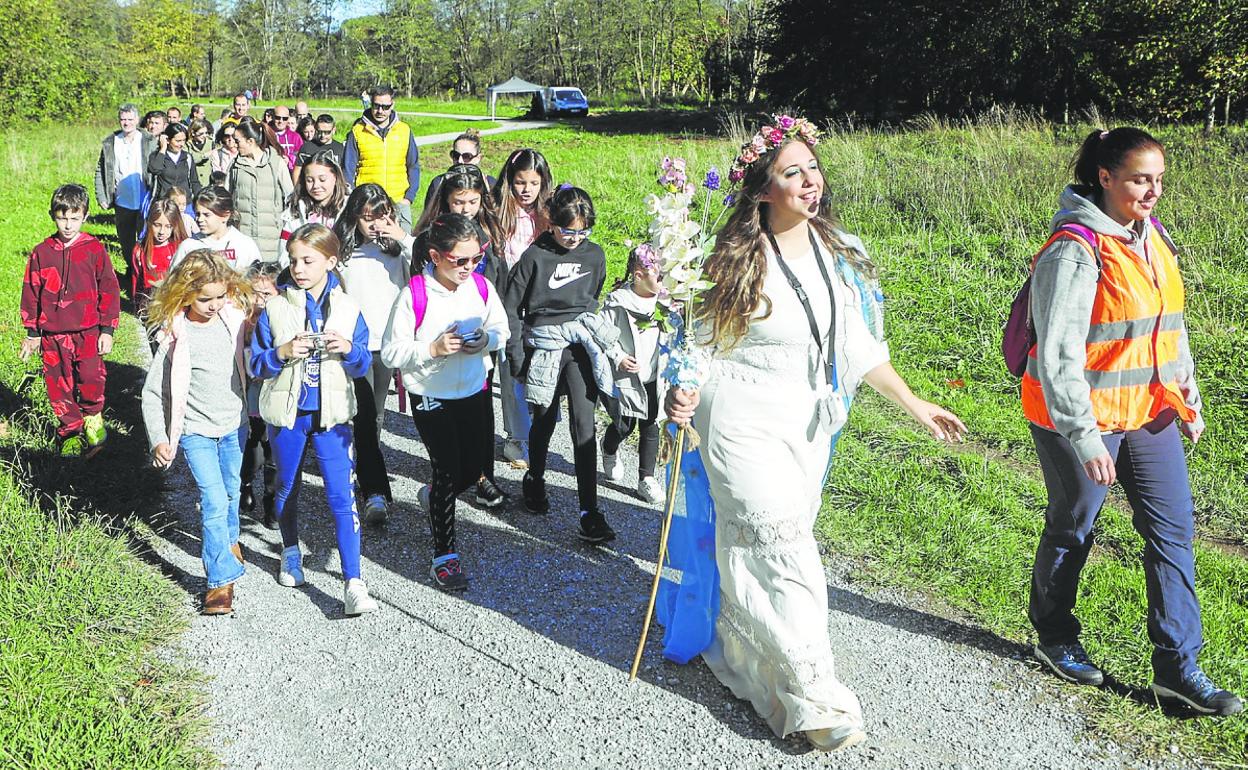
[(766, 451)]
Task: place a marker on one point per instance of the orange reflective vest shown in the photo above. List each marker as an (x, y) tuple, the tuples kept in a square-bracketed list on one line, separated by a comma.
[(383, 161), (1133, 341)]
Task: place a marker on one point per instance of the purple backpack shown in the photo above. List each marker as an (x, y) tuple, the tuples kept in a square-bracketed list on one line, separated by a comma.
[(420, 301), (1019, 335)]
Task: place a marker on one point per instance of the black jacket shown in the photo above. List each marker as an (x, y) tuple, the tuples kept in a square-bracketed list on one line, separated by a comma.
[(551, 285), (163, 173)]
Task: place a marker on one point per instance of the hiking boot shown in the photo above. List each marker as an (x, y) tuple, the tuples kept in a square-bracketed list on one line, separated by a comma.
[(72, 445), (270, 511), (594, 528), (1198, 692), (488, 493), (219, 601), (376, 509), (533, 490), (612, 468), (1070, 662), (292, 567), (650, 490), (835, 739), (355, 598), (516, 453), (236, 548), (96, 433), (448, 574)]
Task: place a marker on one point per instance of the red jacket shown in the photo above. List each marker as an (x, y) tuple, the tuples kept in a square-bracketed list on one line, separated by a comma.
[(70, 288)]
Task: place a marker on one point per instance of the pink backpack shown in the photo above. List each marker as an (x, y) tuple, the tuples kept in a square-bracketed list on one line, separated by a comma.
[(420, 301)]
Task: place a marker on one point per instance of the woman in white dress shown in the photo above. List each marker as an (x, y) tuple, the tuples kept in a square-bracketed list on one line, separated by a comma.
[(769, 412)]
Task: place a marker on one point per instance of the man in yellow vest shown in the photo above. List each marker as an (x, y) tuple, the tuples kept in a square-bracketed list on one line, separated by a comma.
[(381, 149)]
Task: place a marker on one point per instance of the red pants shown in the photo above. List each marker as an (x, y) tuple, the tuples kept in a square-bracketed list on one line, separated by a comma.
[(74, 373)]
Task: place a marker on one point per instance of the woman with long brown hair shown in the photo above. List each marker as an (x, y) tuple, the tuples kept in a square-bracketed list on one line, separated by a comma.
[(791, 328)]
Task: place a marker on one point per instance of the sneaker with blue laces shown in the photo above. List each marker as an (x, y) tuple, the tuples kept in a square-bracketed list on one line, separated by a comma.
[(1198, 692), (292, 567), (1070, 662)]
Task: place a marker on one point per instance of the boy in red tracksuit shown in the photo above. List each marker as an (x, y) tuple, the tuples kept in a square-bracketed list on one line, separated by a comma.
[(70, 308)]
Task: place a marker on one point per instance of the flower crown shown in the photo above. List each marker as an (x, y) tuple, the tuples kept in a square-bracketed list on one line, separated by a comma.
[(769, 138)]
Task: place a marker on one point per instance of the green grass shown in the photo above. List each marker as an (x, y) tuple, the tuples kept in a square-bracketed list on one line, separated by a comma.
[(81, 616)]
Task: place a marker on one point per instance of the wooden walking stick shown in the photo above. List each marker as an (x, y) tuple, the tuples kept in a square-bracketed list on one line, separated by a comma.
[(672, 484)]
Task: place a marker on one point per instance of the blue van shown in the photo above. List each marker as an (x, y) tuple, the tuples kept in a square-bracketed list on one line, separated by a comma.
[(564, 100)]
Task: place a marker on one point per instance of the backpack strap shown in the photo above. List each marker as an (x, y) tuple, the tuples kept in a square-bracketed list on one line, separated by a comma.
[(1165, 236), (483, 287), (420, 298)]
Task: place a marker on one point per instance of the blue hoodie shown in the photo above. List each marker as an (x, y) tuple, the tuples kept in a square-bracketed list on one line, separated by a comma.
[(265, 364)]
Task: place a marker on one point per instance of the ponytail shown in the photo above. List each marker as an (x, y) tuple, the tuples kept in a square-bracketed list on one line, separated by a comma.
[(1108, 150)]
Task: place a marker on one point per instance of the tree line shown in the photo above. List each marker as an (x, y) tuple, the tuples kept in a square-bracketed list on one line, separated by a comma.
[(877, 59)]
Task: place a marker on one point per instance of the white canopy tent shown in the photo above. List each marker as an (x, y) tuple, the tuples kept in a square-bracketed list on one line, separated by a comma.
[(512, 86)]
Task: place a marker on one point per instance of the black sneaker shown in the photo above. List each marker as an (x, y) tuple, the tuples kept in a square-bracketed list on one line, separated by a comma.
[(1070, 662), (448, 575), (534, 491), (1198, 692), (594, 528), (488, 493)]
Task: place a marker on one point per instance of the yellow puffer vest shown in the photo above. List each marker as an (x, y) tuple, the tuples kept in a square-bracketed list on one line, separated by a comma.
[(279, 396), (383, 161)]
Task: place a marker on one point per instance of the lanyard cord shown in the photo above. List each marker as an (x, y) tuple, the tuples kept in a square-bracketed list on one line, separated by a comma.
[(829, 363)]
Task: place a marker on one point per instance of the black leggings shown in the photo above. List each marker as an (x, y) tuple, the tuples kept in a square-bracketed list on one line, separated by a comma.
[(576, 381), (451, 430), (647, 437), (256, 454), (370, 466)]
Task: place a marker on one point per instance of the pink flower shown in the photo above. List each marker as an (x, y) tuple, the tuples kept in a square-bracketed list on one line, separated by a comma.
[(736, 175), (785, 122), (748, 156), (777, 136), (759, 144)]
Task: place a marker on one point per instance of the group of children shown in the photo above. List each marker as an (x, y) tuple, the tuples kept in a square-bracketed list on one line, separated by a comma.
[(256, 360)]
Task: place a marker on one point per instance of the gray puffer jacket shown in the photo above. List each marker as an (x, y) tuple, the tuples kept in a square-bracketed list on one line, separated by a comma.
[(260, 188), (593, 331)]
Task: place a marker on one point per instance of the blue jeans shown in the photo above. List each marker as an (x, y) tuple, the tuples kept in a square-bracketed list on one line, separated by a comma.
[(516, 419), (216, 464), (1153, 471), (335, 454)]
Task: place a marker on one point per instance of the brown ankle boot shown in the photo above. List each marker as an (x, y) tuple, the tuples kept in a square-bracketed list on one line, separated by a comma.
[(219, 601), (237, 550)]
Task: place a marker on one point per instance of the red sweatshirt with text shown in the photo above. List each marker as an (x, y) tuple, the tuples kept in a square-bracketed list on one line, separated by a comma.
[(69, 288)]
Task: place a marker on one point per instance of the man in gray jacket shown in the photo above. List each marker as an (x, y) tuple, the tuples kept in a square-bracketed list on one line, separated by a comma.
[(119, 179)]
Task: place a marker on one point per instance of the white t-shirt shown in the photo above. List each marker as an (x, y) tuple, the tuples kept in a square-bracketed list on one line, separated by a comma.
[(239, 249), (129, 170), (373, 279)]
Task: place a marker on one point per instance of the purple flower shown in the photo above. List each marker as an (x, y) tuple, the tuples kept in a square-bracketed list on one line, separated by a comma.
[(712, 179), (565, 186), (786, 122), (729, 199)]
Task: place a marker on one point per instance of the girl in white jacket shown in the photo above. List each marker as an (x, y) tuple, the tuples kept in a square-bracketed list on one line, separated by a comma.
[(442, 329)]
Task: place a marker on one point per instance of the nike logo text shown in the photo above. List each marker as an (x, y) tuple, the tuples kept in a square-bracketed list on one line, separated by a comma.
[(565, 273)]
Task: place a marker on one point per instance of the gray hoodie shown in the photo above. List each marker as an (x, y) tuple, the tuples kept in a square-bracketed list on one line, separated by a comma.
[(1063, 290)]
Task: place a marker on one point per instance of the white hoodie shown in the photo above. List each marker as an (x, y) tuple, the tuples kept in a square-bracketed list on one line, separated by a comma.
[(373, 279), (406, 348), (239, 248)]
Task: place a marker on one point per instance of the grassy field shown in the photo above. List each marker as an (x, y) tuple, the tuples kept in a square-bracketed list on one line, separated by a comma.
[(81, 616), (951, 213)]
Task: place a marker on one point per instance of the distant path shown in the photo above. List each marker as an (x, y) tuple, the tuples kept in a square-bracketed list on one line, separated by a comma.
[(509, 125), (358, 110)]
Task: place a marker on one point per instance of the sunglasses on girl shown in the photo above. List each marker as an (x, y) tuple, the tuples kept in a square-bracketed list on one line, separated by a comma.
[(569, 233), (474, 260), (462, 157)]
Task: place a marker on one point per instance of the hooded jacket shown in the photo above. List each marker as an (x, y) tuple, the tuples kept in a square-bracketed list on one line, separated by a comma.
[(261, 188), (164, 172), (629, 312), (1065, 287), (551, 285), (69, 288)]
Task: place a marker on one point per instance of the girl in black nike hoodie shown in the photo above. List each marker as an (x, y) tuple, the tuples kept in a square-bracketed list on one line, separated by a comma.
[(557, 280)]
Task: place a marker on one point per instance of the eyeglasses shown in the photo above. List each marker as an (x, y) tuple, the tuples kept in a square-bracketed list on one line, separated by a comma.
[(462, 157), (281, 117), (324, 132), (383, 107), (462, 261), (569, 233)]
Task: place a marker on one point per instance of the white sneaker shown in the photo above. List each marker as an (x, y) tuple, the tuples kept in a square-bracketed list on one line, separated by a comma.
[(835, 738), (612, 470), (355, 598), (291, 574), (651, 491)]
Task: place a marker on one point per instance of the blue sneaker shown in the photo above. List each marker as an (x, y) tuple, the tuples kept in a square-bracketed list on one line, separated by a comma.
[(292, 567), (1198, 692), (1070, 662)]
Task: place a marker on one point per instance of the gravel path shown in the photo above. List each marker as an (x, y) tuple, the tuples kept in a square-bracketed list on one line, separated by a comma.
[(528, 668)]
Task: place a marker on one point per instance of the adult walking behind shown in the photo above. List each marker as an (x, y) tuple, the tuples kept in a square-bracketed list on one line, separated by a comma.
[(260, 183), (381, 149), (1109, 387), (171, 165), (120, 175)]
